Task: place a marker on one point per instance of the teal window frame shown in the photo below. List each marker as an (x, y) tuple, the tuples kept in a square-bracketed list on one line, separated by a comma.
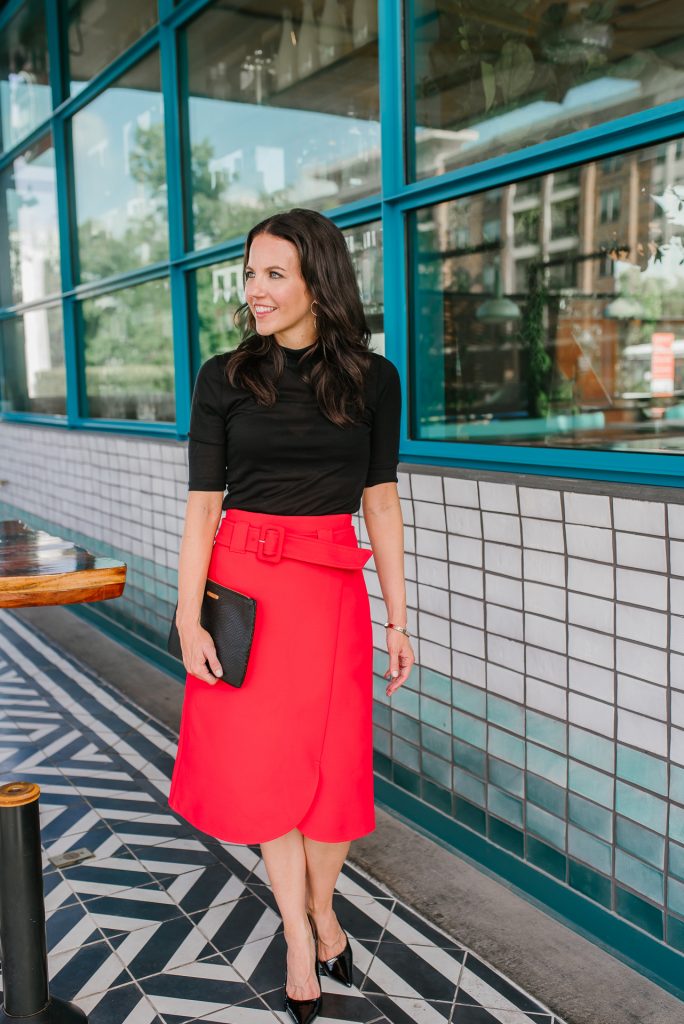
[(397, 198)]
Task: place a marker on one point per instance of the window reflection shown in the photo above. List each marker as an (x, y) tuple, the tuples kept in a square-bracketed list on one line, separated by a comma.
[(100, 30), (129, 353), (29, 265), (491, 77), (33, 377), (568, 328), (25, 96), (283, 111), (220, 290), (120, 175)]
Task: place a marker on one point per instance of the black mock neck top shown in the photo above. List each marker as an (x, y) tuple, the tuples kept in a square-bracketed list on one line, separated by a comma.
[(289, 458)]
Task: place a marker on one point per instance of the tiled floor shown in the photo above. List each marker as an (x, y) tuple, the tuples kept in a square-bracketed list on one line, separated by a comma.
[(165, 924)]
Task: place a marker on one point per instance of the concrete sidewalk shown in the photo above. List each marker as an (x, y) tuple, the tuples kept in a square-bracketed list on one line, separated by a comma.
[(167, 923)]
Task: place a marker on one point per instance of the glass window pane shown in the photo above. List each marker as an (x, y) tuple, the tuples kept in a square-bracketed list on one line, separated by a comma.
[(316, 142), (489, 77), (220, 290), (99, 30), (365, 245), (25, 96), (120, 175), (32, 362), (29, 264), (129, 354), (566, 329)]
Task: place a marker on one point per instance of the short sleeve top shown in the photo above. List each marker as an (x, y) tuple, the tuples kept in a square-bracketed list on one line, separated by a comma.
[(289, 458)]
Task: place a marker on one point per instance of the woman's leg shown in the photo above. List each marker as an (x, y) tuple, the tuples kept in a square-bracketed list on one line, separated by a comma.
[(286, 868), (323, 864)]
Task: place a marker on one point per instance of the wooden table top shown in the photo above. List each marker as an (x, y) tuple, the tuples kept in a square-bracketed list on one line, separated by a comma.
[(37, 568)]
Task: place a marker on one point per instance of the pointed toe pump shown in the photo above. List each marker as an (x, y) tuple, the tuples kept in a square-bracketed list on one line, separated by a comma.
[(338, 967), (303, 1011)]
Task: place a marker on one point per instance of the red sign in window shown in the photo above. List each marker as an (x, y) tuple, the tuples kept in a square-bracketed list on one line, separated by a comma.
[(662, 363)]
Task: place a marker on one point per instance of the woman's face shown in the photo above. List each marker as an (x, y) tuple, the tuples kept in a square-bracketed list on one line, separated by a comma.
[(277, 293)]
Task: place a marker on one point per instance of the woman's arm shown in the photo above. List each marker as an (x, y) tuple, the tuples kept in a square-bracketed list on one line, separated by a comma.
[(202, 515), (384, 522)]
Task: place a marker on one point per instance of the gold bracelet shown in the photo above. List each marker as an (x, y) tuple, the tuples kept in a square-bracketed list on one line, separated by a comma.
[(401, 629)]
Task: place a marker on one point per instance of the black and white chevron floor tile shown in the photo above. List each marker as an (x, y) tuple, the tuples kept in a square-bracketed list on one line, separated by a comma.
[(164, 924)]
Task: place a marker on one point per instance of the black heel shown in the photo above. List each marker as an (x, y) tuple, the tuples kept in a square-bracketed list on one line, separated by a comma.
[(338, 967), (303, 1011)]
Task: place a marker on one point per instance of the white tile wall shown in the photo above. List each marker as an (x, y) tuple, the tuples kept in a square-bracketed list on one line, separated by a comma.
[(467, 640), (465, 550), (505, 621), (545, 632), (643, 588), (469, 669), (593, 612), (432, 543), (435, 656), (429, 515), (550, 700), (510, 653), (503, 558), (587, 645), (467, 522), (537, 501), (499, 526), (544, 567), (496, 497), (545, 600), (467, 610), (114, 488), (641, 624), (460, 492), (647, 663), (506, 683), (637, 730), (677, 558), (639, 516), (644, 698), (592, 680), (590, 509), (503, 590), (590, 542), (675, 520), (433, 599), (427, 487), (642, 551), (568, 602), (433, 627), (544, 534), (465, 580), (591, 714), (547, 664)]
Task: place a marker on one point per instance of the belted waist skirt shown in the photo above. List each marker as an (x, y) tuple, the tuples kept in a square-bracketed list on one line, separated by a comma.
[(293, 746)]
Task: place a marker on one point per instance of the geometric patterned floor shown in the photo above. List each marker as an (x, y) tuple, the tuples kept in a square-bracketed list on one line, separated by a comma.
[(165, 924)]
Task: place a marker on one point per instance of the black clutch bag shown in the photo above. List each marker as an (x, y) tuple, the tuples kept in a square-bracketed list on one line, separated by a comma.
[(228, 616)]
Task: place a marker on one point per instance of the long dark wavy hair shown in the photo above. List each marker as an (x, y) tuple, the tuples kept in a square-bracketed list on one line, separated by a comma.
[(339, 362)]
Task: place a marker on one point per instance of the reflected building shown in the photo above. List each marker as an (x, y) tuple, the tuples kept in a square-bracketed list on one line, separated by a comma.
[(596, 242)]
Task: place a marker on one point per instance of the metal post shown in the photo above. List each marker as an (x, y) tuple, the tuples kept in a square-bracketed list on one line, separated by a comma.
[(22, 914)]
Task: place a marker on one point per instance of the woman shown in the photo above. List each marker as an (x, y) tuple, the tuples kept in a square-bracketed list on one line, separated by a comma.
[(301, 422)]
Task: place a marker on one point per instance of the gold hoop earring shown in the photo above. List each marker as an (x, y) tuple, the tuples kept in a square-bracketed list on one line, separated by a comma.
[(314, 303)]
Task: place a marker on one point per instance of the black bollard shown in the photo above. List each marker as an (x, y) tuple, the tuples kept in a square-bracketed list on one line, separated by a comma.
[(22, 914)]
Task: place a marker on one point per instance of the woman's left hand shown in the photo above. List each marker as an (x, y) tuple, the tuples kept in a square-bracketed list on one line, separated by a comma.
[(402, 659)]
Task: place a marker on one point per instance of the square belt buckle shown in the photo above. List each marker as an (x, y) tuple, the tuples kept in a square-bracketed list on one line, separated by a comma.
[(269, 548)]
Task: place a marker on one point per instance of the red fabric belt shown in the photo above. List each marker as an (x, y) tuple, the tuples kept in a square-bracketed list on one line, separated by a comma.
[(271, 542)]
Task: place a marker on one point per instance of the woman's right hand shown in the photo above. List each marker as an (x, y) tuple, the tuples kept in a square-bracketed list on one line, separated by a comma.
[(198, 649)]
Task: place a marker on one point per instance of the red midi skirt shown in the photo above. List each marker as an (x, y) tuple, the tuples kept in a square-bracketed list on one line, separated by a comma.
[(293, 746)]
